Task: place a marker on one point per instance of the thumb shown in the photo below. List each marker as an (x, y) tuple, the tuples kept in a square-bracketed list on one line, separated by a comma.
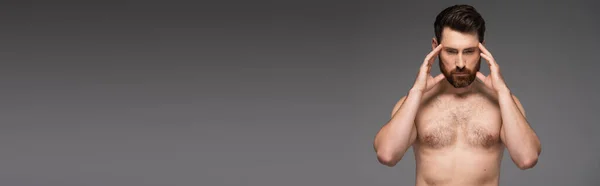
[(438, 78), (480, 76)]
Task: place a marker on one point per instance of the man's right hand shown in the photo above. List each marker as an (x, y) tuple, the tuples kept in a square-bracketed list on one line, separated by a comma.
[(424, 80)]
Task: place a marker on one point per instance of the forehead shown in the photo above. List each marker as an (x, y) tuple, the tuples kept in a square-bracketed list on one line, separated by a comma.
[(458, 40)]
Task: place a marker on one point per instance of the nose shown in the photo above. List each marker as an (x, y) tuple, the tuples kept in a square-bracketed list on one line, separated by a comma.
[(460, 63)]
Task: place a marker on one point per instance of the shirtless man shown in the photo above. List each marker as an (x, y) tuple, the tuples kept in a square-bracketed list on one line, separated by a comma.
[(459, 127)]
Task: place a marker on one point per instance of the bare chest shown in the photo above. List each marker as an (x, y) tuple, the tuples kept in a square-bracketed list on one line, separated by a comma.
[(443, 123)]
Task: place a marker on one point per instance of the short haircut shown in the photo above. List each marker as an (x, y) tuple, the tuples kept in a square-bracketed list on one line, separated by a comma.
[(462, 18)]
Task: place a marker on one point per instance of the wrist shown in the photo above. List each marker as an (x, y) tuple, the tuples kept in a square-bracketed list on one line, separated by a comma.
[(415, 91), (504, 91)]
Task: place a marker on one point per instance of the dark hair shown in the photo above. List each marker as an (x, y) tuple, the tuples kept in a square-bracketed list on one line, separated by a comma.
[(462, 18)]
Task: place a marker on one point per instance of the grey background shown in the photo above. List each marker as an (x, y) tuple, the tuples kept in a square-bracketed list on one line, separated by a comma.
[(267, 92)]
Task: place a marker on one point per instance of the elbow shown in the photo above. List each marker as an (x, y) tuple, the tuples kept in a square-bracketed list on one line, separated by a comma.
[(387, 159), (527, 163), (531, 160)]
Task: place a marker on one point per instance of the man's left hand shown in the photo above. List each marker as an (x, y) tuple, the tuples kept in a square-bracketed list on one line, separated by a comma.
[(494, 80)]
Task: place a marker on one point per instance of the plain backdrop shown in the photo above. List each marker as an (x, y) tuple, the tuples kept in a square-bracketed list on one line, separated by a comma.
[(259, 93)]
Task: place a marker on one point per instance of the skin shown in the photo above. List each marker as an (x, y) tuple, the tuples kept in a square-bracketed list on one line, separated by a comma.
[(458, 125)]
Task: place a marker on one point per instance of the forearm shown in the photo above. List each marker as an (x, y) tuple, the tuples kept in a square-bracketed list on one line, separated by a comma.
[(395, 137), (519, 138)]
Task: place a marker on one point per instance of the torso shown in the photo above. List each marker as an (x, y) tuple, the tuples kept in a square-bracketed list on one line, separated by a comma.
[(458, 139)]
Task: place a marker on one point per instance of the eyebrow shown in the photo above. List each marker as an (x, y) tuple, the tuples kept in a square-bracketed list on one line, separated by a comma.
[(470, 48)]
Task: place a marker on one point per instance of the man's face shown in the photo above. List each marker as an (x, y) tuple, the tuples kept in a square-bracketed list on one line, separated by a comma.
[(459, 59)]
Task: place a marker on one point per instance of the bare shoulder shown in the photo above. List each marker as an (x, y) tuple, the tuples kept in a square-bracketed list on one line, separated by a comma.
[(426, 98), (493, 97)]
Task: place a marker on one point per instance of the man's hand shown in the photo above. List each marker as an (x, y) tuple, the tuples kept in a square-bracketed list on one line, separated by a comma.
[(400, 132), (521, 141), (424, 80), (494, 80)]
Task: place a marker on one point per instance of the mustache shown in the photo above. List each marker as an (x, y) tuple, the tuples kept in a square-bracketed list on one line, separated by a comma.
[(461, 71)]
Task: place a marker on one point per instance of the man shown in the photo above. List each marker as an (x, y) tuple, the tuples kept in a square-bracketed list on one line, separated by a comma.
[(459, 127)]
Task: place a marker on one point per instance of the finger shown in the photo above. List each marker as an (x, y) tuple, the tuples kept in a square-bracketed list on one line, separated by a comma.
[(484, 50), (481, 76), (488, 59), (430, 58), (438, 78), (432, 81)]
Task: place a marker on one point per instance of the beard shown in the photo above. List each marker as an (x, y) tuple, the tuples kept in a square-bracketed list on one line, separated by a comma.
[(460, 81)]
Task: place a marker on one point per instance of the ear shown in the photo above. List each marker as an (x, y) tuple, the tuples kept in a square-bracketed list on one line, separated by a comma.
[(483, 42), (434, 43)]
